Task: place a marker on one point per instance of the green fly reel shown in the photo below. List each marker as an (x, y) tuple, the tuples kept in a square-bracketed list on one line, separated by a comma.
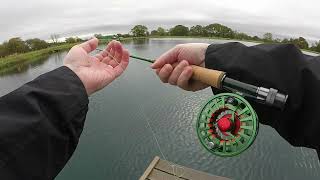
[(227, 125)]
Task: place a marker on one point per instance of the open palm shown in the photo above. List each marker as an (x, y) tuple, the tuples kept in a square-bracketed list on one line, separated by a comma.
[(99, 70)]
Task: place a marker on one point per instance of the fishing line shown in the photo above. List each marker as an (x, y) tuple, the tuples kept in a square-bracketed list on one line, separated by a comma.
[(132, 56), (175, 167)]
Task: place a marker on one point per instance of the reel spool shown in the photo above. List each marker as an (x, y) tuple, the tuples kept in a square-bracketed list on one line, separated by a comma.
[(227, 125)]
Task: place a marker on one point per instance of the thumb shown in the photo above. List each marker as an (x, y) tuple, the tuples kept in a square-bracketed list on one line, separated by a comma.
[(90, 45), (169, 57)]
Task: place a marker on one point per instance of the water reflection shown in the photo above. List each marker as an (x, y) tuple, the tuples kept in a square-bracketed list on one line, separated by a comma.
[(23, 67)]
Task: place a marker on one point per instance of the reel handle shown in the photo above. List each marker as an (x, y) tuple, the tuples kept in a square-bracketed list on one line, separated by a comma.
[(208, 76)]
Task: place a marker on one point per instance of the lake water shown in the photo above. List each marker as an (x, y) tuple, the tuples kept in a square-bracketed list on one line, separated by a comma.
[(117, 144)]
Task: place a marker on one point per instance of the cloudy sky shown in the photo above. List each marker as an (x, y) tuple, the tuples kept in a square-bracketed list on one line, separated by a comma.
[(40, 18)]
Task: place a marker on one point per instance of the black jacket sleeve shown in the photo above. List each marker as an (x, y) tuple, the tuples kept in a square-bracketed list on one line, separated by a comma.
[(286, 68), (40, 124)]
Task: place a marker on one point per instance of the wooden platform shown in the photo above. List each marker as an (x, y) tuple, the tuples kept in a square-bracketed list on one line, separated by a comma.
[(163, 170)]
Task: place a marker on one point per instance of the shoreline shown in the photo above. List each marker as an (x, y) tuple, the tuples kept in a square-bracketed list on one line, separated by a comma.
[(16, 62)]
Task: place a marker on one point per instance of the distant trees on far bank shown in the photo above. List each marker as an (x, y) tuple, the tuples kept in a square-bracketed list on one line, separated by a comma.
[(220, 31), (140, 31), (16, 45)]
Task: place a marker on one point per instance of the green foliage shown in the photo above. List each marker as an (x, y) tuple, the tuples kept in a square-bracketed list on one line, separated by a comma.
[(161, 31), (197, 30), (3, 51), (242, 36), (36, 44), (154, 33), (10, 63), (98, 36), (123, 35), (16, 45), (73, 40), (301, 43), (267, 37), (179, 30), (218, 30), (139, 31)]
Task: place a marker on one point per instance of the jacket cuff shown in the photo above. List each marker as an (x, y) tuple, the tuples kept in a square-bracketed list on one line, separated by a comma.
[(64, 88)]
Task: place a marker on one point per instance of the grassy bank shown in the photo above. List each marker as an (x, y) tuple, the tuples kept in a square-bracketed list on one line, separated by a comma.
[(13, 62), (20, 62)]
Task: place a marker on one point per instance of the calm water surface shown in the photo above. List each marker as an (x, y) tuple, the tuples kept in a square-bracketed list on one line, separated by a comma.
[(117, 144)]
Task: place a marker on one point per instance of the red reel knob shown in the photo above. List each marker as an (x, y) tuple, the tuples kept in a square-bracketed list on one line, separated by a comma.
[(224, 124)]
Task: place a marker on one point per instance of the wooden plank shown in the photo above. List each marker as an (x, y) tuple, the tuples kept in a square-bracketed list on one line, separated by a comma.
[(160, 175), (187, 173), (149, 169)]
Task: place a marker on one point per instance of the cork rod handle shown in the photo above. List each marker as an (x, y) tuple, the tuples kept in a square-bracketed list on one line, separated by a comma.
[(208, 76)]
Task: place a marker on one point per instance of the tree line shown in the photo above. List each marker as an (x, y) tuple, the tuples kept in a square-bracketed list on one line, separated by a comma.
[(16, 45), (219, 31)]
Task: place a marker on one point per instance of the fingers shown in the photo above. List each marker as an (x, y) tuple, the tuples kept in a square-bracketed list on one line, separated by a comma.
[(118, 51), (169, 57), (177, 72), (165, 73), (99, 57), (184, 78), (90, 45), (123, 63), (113, 53)]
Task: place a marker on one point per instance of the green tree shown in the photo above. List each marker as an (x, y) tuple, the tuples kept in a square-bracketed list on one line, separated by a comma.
[(197, 30), (268, 37), (17, 45), (139, 31), (242, 36), (301, 43), (161, 31), (36, 44), (179, 30), (219, 30), (124, 35), (71, 40), (3, 51), (154, 33)]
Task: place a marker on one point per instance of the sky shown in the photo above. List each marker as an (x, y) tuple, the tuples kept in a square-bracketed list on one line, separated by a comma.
[(41, 18)]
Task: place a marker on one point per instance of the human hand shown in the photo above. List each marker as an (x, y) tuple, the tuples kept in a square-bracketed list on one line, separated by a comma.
[(174, 66), (97, 71)]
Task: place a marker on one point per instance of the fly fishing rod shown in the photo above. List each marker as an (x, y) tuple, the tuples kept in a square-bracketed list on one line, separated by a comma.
[(227, 124)]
